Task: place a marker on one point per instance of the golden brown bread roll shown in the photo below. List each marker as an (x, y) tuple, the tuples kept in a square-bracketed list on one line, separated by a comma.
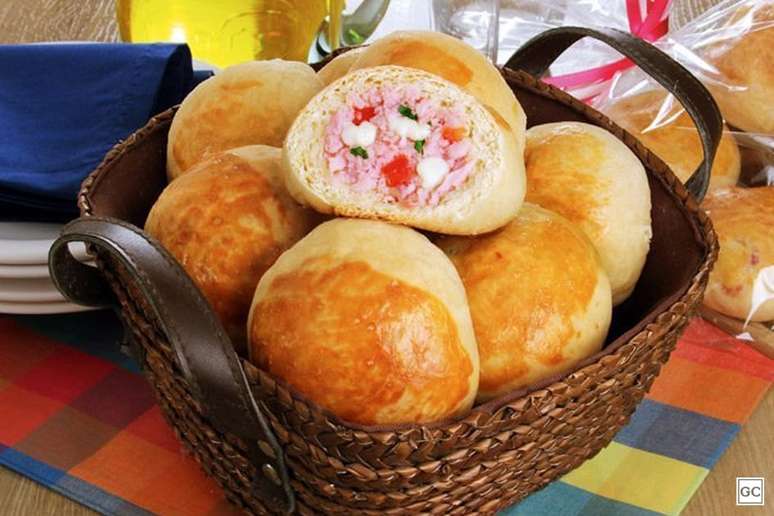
[(744, 221), (226, 221), (677, 140), (249, 103), (746, 63), (339, 65), (589, 176), (539, 298), (455, 61), (370, 321)]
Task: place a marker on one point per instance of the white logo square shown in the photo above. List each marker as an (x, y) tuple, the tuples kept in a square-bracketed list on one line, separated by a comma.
[(749, 490)]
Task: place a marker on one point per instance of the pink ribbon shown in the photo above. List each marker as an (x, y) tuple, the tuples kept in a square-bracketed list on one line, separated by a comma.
[(653, 27)]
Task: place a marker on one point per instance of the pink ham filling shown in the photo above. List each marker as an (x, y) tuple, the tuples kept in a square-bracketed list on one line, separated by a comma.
[(364, 174)]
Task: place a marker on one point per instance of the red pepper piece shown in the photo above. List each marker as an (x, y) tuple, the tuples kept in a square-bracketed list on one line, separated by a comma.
[(398, 171), (363, 114)]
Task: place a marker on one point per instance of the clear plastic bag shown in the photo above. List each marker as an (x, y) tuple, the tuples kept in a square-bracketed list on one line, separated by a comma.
[(520, 20), (730, 48), (584, 68)]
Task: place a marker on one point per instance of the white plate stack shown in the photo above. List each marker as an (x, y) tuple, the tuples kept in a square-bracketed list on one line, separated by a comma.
[(25, 284)]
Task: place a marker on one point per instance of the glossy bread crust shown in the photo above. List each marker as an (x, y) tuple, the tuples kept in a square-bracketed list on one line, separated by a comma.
[(370, 321), (226, 222), (539, 298), (245, 104), (590, 177)]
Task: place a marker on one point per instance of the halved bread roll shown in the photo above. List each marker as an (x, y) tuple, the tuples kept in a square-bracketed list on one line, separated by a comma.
[(592, 178), (539, 298), (226, 221), (457, 62), (406, 146), (370, 321), (744, 221), (339, 65), (245, 104), (676, 140)]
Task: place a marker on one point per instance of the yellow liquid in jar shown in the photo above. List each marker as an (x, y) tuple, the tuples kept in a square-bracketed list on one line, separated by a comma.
[(227, 32)]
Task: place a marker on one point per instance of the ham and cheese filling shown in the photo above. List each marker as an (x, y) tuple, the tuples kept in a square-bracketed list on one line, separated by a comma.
[(400, 143)]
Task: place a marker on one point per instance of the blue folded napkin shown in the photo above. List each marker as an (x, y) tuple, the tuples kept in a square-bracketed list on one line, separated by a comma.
[(63, 106)]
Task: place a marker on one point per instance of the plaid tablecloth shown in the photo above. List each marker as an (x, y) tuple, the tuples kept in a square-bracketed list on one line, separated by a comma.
[(76, 416)]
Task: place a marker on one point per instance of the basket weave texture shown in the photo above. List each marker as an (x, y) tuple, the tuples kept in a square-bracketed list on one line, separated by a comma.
[(489, 459)]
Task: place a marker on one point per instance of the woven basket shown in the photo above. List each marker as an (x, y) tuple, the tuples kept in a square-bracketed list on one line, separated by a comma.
[(494, 456)]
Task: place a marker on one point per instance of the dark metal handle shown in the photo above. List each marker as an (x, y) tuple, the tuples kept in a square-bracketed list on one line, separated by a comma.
[(204, 351), (537, 54)]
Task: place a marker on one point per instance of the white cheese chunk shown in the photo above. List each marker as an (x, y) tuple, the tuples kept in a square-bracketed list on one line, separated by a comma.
[(432, 171), (361, 135), (419, 131), (408, 128)]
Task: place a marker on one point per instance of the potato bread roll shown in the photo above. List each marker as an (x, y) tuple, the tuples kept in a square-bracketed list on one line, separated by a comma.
[(744, 221), (226, 221), (539, 298), (676, 141), (589, 176), (245, 104), (745, 64), (370, 321)]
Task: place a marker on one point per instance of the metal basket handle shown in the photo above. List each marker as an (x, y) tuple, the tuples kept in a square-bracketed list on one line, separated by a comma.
[(205, 353), (537, 54)]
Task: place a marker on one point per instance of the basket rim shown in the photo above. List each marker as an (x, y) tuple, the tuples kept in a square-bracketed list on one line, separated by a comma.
[(673, 305)]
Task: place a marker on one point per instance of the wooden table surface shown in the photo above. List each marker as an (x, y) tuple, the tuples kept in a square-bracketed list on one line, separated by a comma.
[(751, 453)]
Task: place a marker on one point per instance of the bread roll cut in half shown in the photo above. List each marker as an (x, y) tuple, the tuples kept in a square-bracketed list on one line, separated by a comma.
[(745, 65), (339, 65), (589, 176), (405, 146), (457, 62), (539, 298), (744, 222), (226, 221), (370, 321), (675, 139), (245, 104)]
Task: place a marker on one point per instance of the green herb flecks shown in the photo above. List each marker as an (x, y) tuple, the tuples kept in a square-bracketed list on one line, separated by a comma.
[(407, 112), (419, 146), (359, 152)]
